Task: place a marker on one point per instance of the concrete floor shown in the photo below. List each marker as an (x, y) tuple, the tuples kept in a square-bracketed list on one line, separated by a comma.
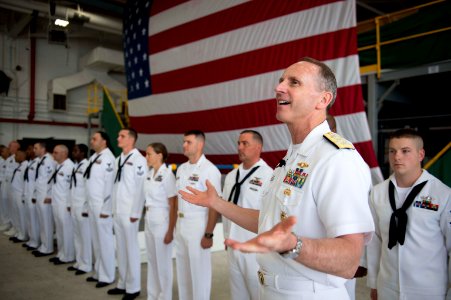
[(23, 276)]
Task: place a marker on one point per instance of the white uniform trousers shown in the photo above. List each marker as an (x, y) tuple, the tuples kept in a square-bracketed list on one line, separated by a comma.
[(82, 240), (243, 268), (32, 224), (282, 287), (128, 253), (46, 226), (159, 255), (350, 287), (103, 245), (193, 263), (4, 204), (64, 232), (384, 292), (19, 221), (13, 209)]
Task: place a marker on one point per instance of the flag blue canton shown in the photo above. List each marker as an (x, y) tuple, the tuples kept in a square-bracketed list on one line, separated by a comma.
[(136, 57)]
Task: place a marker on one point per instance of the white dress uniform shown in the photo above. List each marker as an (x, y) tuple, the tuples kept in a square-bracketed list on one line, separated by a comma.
[(327, 189), (158, 188), (31, 209), (10, 165), (128, 202), (419, 268), (99, 187), (243, 267), (78, 206), (4, 216), (60, 181), (18, 205), (193, 263), (43, 190)]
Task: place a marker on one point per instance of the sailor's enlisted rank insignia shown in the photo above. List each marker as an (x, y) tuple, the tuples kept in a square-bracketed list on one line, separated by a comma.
[(338, 141)]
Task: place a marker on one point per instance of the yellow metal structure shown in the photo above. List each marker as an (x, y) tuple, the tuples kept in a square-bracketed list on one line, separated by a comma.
[(382, 20), (435, 158), (118, 97)]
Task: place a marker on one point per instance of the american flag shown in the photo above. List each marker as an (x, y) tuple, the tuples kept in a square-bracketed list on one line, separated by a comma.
[(213, 66)]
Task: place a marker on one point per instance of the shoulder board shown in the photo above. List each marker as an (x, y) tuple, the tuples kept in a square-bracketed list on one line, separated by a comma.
[(338, 141)]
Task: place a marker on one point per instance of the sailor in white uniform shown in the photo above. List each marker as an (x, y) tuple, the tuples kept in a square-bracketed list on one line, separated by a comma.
[(409, 255), (195, 225), (32, 214), (245, 186)]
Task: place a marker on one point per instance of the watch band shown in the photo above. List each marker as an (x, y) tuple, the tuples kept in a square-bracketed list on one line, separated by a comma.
[(293, 253), (208, 235)]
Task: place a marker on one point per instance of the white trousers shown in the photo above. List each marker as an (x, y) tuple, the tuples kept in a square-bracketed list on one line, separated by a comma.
[(243, 269), (18, 215), (32, 224), (4, 204), (82, 240), (128, 254), (350, 287), (193, 263), (64, 232), (103, 245), (159, 256), (45, 219)]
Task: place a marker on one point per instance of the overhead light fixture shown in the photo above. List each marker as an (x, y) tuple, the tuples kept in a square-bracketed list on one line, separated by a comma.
[(61, 22)]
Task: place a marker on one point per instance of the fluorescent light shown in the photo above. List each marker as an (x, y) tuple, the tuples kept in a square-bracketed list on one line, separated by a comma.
[(62, 23)]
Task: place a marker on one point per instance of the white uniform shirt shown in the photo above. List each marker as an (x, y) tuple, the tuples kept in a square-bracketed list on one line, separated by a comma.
[(420, 266), (78, 187), (11, 165), (60, 189), (45, 168), (195, 175), (327, 190), (159, 187), (17, 181), (29, 183), (99, 186), (127, 196), (251, 192), (2, 169)]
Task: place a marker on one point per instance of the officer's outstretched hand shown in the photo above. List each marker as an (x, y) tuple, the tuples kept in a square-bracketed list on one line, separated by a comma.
[(200, 198), (278, 239)]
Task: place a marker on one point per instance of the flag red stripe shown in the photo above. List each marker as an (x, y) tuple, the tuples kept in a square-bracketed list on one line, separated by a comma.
[(258, 61), (367, 152), (229, 19), (248, 115), (159, 6)]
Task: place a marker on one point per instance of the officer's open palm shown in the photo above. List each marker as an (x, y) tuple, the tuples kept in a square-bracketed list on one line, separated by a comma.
[(200, 198), (278, 239)]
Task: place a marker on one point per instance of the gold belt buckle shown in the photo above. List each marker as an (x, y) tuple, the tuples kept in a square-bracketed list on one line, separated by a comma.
[(261, 277), (181, 215)]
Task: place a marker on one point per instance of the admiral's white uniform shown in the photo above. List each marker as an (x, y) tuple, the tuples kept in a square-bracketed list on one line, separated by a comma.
[(419, 268), (99, 187), (158, 188), (243, 267), (43, 190), (128, 203), (78, 206), (18, 207), (327, 190), (193, 263), (31, 209), (60, 203)]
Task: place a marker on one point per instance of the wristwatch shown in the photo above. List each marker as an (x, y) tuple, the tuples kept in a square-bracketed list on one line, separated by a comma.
[(208, 235), (293, 253)]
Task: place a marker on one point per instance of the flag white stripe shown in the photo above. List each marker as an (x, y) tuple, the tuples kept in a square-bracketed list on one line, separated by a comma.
[(187, 12), (287, 28), (230, 93), (347, 125)]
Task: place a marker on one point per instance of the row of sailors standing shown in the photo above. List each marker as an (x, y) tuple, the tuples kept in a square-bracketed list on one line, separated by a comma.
[(83, 201)]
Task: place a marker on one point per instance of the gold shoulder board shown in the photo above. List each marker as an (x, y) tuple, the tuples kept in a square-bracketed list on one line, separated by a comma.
[(338, 141)]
